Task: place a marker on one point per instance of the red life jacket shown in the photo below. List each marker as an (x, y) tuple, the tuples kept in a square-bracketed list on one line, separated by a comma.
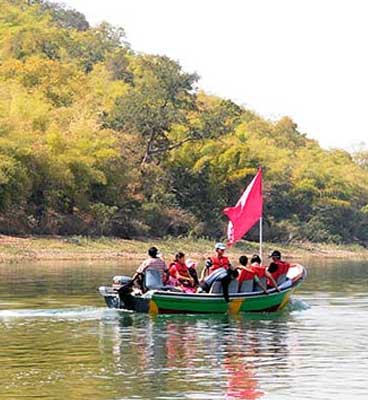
[(218, 262), (245, 275), (172, 269), (282, 268), (258, 270), (182, 269)]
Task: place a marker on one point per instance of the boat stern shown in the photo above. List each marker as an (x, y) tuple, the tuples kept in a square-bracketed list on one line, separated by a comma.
[(111, 296)]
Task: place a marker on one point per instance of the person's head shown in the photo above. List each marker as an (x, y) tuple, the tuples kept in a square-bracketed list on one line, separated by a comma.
[(243, 260), (153, 252), (255, 259), (180, 256), (275, 255), (220, 248)]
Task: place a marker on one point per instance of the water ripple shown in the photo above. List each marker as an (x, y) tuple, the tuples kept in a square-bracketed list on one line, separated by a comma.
[(59, 342)]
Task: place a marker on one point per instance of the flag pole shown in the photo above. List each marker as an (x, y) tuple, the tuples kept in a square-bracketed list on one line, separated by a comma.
[(261, 221), (260, 237)]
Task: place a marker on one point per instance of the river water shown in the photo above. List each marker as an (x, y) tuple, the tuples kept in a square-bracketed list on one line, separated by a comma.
[(58, 341)]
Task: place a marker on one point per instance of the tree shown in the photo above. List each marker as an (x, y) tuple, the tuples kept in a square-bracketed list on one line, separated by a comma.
[(65, 17), (161, 96), (360, 156)]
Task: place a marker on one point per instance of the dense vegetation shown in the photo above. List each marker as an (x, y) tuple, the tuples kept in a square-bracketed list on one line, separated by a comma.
[(96, 139)]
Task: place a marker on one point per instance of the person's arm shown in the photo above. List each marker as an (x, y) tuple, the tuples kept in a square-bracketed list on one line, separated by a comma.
[(260, 284), (135, 276), (166, 274), (270, 277), (205, 270), (142, 268), (184, 278), (204, 273)]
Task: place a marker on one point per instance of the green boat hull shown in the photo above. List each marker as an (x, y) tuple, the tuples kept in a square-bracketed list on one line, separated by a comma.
[(209, 304), (161, 301)]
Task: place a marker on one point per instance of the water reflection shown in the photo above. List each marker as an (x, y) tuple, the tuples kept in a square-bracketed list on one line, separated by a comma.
[(217, 355), (242, 381)]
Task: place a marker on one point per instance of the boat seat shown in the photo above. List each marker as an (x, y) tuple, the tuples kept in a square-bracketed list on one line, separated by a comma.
[(286, 284), (281, 279), (258, 288), (217, 288), (247, 286), (153, 280), (234, 286)]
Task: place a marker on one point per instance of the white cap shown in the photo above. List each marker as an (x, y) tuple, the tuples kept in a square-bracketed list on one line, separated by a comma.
[(190, 263)]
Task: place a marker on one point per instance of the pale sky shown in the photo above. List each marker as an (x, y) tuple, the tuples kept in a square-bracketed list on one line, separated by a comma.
[(307, 59)]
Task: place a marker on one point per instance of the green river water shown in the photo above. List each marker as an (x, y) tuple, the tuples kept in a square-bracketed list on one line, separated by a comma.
[(59, 341)]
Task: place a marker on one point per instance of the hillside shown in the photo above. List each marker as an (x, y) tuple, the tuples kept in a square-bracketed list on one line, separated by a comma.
[(98, 140)]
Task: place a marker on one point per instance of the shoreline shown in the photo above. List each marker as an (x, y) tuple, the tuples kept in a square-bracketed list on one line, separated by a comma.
[(15, 249)]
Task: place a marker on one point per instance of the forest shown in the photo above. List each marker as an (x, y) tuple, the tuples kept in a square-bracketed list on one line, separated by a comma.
[(97, 139)]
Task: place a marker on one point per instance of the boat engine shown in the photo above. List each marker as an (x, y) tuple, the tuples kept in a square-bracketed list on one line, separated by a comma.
[(119, 281)]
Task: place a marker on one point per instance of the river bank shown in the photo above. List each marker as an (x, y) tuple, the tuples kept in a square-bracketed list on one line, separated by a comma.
[(35, 248)]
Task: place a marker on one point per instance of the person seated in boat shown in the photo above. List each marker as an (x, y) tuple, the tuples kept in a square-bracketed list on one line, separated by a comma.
[(261, 273), (154, 262), (253, 273), (192, 267), (245, 273), (218, 268), (278, 268), (256, 265), (217, 261), (180, 275)]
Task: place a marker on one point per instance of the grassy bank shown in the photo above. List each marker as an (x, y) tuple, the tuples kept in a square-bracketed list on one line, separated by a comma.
[(33, 248)]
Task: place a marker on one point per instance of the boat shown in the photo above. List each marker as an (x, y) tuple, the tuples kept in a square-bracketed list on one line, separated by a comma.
[(157, 298), (167, 300)]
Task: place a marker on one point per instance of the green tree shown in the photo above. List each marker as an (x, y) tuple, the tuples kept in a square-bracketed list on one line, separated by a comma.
[(160, 97)]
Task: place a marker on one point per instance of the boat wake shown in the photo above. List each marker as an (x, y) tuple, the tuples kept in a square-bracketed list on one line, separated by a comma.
[(99, 313), (81, 313), (297, 305)]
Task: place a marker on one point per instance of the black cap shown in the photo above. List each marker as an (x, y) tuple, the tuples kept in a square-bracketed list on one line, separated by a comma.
[(275, 254)]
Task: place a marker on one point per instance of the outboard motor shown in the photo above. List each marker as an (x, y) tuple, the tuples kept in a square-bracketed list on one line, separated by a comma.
[(112, 298), (114, 295), (120, 280)]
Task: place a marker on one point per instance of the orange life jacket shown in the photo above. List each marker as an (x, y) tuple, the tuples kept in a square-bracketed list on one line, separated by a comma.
[(218, 262)]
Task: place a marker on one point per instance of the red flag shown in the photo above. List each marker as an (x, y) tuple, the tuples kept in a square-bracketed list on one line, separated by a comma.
[(247, 212)]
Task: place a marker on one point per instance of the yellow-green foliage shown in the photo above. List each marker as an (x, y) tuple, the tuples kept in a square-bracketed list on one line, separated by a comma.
[(97, 139)]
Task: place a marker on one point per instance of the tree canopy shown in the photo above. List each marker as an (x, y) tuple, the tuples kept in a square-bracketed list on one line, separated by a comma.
[(96, 139)]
